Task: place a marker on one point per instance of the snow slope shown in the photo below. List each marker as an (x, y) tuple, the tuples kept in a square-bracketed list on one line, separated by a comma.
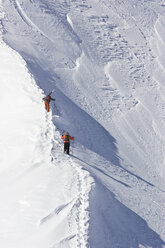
[(40, 188), (105, 60)]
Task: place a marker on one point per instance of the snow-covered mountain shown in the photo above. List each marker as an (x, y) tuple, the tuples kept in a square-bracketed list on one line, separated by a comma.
[(105, 60)]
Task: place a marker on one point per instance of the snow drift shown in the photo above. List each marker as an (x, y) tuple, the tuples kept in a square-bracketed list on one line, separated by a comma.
[(105, 61)]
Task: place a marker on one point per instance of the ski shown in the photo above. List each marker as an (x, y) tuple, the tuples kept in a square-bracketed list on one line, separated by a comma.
[(51, 92)]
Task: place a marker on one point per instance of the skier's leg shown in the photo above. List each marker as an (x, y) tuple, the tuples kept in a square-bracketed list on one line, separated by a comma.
[(48, 106), (65, 148), (68, 145)]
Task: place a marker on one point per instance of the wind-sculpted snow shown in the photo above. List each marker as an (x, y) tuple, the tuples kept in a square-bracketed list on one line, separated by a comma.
[(105, 60), (44, 194)]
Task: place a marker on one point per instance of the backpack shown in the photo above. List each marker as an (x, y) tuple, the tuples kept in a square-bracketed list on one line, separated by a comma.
[(66, 139), (48, 98)]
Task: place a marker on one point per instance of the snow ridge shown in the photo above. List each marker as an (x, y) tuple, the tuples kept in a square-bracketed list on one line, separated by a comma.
[(37, 173), (79, 205)]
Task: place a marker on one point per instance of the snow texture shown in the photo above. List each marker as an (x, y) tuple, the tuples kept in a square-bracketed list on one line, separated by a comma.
[(105, 60)]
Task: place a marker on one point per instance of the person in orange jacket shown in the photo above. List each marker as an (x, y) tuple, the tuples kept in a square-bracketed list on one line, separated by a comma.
[(66, 137), (47, 100)]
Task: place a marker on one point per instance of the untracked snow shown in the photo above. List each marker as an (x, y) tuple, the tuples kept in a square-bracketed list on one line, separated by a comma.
[(105, 60)]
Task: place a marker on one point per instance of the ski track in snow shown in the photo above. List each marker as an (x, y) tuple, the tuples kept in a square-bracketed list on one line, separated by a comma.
[(67, 61), (26, 19)]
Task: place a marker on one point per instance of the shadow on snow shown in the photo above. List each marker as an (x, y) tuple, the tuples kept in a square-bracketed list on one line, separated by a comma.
[(114, 225), (124, 228)]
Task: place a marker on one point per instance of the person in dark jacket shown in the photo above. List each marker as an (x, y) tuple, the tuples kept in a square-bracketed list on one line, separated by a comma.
[(47, 100), (66, 137)]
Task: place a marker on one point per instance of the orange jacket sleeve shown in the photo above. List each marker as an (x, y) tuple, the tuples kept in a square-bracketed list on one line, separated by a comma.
[(72, 138)]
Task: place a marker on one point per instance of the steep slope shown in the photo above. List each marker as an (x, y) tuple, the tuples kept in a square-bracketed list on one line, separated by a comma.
[(105, 60), (40, 188)]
